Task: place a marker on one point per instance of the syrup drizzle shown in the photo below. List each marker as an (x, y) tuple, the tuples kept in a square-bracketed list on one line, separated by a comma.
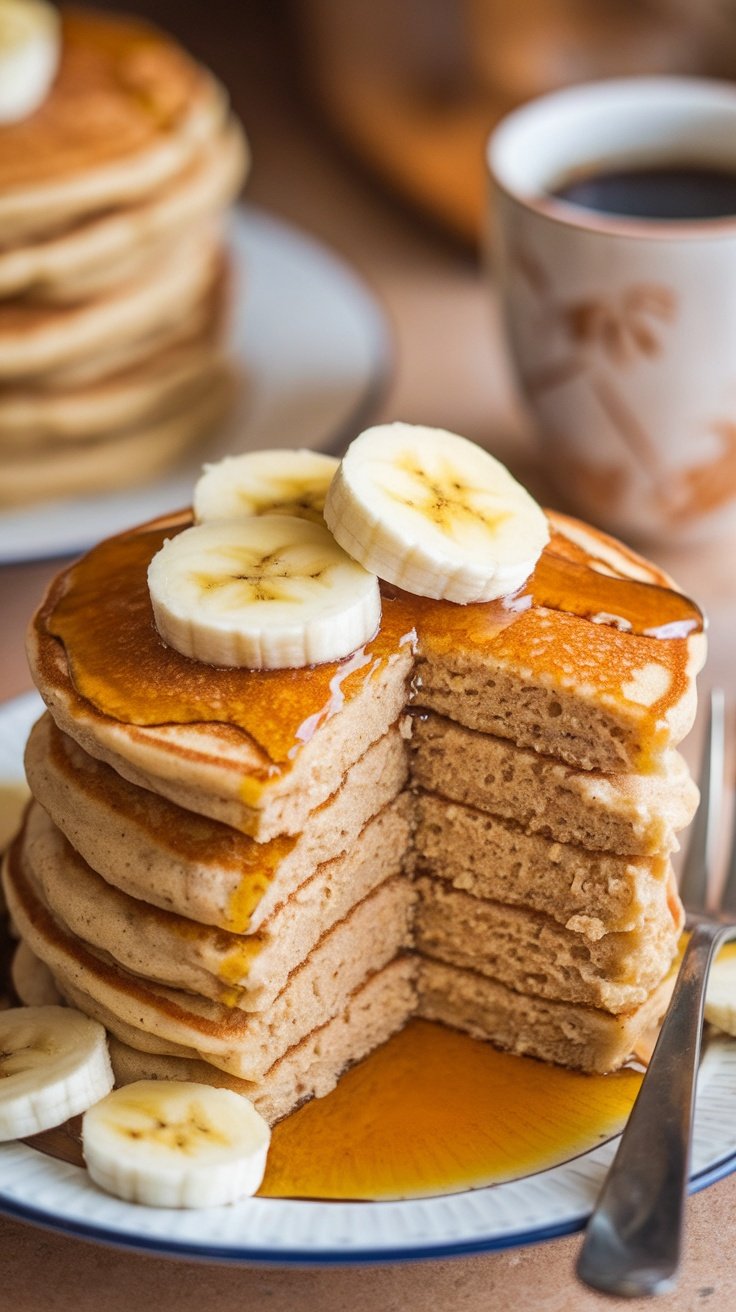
[(572, 586), (118, 662)]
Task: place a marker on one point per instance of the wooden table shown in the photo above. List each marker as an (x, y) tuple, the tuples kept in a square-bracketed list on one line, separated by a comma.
[(450, 371)]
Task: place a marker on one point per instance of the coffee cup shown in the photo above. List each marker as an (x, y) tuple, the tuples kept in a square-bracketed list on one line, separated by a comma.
[(622, 327)]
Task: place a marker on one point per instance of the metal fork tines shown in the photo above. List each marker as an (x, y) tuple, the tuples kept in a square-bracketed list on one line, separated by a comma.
[(633, 1242)]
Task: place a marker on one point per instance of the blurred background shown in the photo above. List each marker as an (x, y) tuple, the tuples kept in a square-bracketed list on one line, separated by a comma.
[(409, 91), (368, 121)]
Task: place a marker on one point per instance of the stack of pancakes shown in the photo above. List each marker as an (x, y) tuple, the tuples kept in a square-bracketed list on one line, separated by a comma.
[(254, 878), (113, 277)]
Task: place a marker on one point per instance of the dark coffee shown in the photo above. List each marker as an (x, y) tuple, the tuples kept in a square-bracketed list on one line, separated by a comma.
[(683, 191)]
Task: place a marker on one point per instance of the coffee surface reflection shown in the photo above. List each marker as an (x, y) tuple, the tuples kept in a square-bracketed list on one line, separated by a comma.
[(682, 191)]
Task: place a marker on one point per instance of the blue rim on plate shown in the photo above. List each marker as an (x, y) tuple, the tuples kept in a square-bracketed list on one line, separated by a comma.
[(337, 1257), (289, 1232)]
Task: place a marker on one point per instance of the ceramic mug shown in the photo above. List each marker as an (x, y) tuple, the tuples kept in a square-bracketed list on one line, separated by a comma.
[(623, 330)]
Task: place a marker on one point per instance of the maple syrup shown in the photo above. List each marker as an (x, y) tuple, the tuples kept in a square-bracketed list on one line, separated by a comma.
[(434, 1111)]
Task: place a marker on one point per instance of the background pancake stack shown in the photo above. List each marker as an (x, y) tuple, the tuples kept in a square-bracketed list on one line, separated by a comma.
[(255, 878), (113, 276)]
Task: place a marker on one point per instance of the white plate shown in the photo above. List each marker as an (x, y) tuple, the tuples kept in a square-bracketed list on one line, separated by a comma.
[(313, 349), (52, 1193)]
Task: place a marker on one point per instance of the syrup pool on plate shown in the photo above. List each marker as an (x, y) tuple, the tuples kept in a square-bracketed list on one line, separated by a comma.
[(430, 1112)]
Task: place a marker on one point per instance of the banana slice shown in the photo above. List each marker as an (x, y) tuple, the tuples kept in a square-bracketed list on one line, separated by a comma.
[(169, 1143), (720, 1002), (273, 592), (435, 514), (54, 1064), (265, 483), (30, 45)]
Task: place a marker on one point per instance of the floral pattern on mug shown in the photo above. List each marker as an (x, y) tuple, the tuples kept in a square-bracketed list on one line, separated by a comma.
[(621, 327), (615, 329)]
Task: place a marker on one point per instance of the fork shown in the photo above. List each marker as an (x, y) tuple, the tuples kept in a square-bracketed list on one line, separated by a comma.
[(634, 1238)]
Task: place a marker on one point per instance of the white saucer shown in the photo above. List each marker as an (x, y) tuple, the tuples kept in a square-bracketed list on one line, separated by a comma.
[(313, 348)]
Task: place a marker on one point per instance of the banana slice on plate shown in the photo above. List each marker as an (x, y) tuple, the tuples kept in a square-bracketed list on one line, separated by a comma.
[(54, 1064), (434, 514), (271, 592), (169, 1143), (265, 483), (30, 45), (720, 1001)]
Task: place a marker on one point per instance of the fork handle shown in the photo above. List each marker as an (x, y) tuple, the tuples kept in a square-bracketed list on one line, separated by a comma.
[(633, 1241)]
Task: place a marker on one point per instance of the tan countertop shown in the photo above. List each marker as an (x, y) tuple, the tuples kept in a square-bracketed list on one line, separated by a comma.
[(449, 370)]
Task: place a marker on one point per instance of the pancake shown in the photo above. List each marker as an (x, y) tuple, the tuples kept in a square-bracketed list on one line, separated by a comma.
[(116, 460), (624, 812), (204, 322), (36, 340), (32, 980), (127, 112), (215, 768), (151, 393), (310, 1069), (134, 265), (247, 971), (112, 264), (59, 415), (589, 892), (68, 262), (165, 733), (569, 1034), (176, 860), (172, 858), (533, 955), (597, 695), (244, 1044)]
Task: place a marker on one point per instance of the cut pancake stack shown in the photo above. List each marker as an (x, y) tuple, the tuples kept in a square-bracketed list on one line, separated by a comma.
[(548, 917), (549, 795), (255, 878), (113, 276)]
